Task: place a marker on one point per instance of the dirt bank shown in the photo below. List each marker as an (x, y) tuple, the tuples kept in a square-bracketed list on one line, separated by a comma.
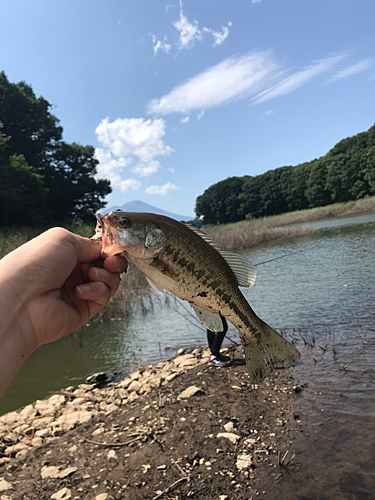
[(177, 430)]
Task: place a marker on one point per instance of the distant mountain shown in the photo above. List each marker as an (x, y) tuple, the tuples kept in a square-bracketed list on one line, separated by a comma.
[(140, 206)]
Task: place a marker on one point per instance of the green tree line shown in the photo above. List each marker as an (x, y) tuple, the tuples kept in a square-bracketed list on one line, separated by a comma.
[(43, 180), (346, 172)]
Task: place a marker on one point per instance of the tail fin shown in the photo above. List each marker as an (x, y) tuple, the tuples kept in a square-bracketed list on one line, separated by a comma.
[(267, 351)]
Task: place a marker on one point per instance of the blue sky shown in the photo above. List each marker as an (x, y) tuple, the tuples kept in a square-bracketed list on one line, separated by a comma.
[(176, 96)]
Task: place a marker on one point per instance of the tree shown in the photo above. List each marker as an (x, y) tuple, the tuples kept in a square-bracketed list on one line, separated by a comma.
[(52, 182), (220, 204)]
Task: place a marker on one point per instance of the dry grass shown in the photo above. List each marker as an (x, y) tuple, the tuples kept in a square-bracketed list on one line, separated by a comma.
[(247, 234), (251, 234)]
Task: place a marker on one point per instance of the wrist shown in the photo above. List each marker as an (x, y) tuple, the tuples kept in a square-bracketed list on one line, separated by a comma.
[(17, 341)]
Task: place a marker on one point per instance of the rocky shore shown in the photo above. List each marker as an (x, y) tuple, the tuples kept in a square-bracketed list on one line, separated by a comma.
[(174, 430)]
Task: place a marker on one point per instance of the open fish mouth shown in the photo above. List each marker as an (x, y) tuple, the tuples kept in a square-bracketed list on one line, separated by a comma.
[(108, 235)]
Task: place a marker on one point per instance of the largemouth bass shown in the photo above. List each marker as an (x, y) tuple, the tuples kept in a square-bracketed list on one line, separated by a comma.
[(186, 263)]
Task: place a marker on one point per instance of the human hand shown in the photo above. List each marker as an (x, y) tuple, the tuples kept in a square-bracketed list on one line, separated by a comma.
[(51, 286)]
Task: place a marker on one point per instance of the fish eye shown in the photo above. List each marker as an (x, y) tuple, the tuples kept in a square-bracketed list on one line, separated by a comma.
[(124, 222)]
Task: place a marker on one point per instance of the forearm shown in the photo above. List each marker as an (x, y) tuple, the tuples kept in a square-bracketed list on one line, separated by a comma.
[(16, 345)]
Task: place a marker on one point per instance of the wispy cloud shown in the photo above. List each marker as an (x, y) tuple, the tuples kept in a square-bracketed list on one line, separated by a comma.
[(294, 81), (219, 36), (351, 70), (189, 32), (256, 75), (233, 78), (162, 190), (134, 142), (160, 45)]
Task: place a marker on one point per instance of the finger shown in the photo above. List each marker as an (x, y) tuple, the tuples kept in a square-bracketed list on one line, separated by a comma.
[(112, 280), (116, 263), (96, 292)]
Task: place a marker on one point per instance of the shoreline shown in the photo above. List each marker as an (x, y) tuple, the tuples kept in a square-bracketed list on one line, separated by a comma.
[(179, 427)]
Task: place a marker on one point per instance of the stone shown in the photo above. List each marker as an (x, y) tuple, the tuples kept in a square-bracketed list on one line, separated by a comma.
[(63, 494), (233, 438), (70, 420), (49, 471), (102, 496), (11, 451), (4, 485), (244, 462), (112, 455), (134, 386), (189, 392), (67, 472), (229, 427)]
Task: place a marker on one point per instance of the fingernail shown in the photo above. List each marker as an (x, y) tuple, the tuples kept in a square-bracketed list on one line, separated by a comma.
[(100, 274), (84, 289)]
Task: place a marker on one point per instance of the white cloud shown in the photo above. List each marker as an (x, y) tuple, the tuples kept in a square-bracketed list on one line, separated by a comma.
[(219, 37), (161, 45), (162, 190), (109, 167), (233, 78), (294, 81), (270, 112), (126, 141), (256, 1), (189, 32), (146, 169), (256, 75), (129, 185), (351, 70), (171, 169), (185, 119)]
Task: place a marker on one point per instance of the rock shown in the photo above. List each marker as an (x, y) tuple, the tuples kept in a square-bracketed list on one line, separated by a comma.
[(190, 391), (185, 360), (244, 462), (67, 472), (229, 427), (134, 386), (4, 485), (223, 497), (102, 496), (112, 455), (5, 497), (233, 438), (63, 494), (97, 379), (49, 471), (69, 420), (12, 451), (56, 473)]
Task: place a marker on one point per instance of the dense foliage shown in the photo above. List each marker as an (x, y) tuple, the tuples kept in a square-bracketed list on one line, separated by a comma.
[(346, 172), (44, 180)]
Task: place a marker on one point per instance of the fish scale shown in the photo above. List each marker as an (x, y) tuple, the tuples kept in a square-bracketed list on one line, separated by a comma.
[(184, 261)]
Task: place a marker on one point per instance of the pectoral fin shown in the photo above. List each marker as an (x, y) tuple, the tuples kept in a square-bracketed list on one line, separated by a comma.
[(209, 320)]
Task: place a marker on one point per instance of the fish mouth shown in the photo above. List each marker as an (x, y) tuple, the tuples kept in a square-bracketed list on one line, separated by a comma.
[(110, 238)]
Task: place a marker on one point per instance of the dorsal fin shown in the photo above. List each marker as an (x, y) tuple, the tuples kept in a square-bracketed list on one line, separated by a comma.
[(242, 268)]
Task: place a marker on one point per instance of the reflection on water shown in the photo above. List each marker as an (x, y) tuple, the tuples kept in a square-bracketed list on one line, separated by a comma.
[(319, 290)]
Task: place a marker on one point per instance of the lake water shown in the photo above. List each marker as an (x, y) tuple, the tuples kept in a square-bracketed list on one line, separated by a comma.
[(319, 290)]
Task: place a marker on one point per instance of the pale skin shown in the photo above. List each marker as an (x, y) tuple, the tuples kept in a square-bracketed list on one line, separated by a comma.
[(50, 287)]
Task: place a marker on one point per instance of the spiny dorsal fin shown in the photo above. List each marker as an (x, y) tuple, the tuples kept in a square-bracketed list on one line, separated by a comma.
[(242, 268)]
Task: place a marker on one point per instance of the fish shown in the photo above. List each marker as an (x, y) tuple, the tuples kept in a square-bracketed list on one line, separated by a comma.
[(186, 262)]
